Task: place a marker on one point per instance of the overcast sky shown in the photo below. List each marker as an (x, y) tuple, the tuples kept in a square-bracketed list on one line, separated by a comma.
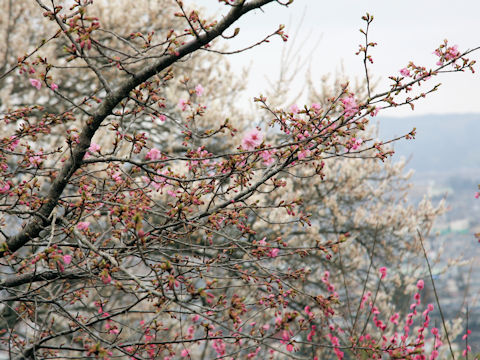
[(404, 30)]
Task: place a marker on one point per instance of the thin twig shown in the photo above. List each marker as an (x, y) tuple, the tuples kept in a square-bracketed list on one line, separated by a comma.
[(436, 295)]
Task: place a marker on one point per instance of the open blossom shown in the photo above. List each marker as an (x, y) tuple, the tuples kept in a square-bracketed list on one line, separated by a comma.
[(83, 225), (94, 147), (267, 157), (36, 83), (185, 352), (199, 90), (182, 104), (405, 72), (383, 272), (420, 284), (4, 188), (252, 139), (452, 52), (303, 154), (273, 252), (67, 259), (36, 159), (356, 143), (153, 154), (294, 109), (350, 105)]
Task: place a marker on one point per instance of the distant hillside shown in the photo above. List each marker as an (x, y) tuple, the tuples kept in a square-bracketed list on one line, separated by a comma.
[(444, 144)]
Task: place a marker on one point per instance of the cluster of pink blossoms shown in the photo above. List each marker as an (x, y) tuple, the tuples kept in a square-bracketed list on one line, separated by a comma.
[(350, 105), (450, 53)]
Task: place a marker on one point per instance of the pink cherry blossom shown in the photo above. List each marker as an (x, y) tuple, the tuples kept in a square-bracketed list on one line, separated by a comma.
[(375, 111), (185, 353), (153, 154), (4, 188), (273, 253), (356, 143), (182, 104), (36, 159), (53, 86), (477, 195), (350, 105), (405, 72), (94, 147), (420, 284), (83, 225), (67, 259), (117, 177), (316, 107), (162, 118), (452, 52), (303, 154), (294, 109), (36, 83), (106, 279), (383, 272), (252, 139), (14, 142), (199, 90), (267, 157)]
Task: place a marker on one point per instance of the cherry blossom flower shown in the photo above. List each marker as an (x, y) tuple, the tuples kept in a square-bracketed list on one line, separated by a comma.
[(185, 353), (83, 225), (54, 86), (267, 157), (67, 259), (477, 195), (405, 72), (303, 154), (162, 118), (420, 284), (153, 154), (36, 159), (316, 107), (117, 177), (94, 148), (294, 109), (273, 253), (452, 52), (252, 139), (356, 143), (383, 272), (106, 279), (350, 105), (14, 142), (199, 90), (4, 188), (375, 111), (36, 83), (182, 104)]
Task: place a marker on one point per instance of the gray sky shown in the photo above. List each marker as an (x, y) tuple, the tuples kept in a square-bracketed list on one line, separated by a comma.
[(404, 30)]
